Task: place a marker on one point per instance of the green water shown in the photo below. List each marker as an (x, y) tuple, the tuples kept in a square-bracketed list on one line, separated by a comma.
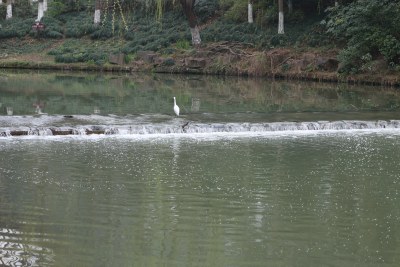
[(300, 198), (199, 97), (319, 200)]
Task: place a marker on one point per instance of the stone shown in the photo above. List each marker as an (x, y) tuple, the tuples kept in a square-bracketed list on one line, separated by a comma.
[(195, 63), (117, 59), (147, 56), (168, 62)]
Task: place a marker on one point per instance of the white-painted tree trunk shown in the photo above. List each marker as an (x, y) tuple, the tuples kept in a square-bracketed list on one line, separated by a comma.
[(281, 18), (9, 10), (44, 6), (97, 12), (281, 29), (250, 12), (196, 40), (40, 10), (97, 16)]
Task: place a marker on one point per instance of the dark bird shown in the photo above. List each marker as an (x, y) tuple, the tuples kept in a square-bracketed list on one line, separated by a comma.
[(184, 126)]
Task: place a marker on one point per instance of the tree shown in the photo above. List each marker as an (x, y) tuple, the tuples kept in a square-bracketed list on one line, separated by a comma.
[(281, 18), (370, 30), (290, 6), (40, 10), (9, 9), (97, 12), (250, 11), (188, 9)]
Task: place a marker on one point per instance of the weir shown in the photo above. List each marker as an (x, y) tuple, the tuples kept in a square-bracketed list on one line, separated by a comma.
[(193, 128)]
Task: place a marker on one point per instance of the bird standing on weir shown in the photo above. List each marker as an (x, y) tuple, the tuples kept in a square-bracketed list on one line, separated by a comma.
[(176, 108)]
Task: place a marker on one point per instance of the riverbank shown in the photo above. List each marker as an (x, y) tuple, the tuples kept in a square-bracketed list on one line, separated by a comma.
[(220, 58)]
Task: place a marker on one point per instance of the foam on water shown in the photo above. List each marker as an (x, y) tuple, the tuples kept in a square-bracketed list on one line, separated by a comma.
[(155, 126)]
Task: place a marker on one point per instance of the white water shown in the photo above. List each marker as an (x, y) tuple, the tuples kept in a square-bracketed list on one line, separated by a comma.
[(162, 125)]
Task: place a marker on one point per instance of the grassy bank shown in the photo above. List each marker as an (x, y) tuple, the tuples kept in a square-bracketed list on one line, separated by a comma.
[(139, 42), (218, 58)]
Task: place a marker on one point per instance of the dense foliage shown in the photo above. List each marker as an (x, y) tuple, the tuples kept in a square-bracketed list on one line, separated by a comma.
[(364, 30), (370, 30)]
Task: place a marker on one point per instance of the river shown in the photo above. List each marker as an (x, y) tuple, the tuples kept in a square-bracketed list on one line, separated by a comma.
[(96, 170)]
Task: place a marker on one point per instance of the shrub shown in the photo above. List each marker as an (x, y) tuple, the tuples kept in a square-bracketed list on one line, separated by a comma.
[(77, 24), (54, 28), (22, 9), (206, 9), (88, 56), (367, 27), (54, 34), (103, 32), (15, 27)]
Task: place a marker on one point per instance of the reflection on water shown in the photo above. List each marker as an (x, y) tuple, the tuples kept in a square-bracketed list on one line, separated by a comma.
[(195, 105), (15, 251), (286, 200), (68, 94), (157, 194), (9, 111)]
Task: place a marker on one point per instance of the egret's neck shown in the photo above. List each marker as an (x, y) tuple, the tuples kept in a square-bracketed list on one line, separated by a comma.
[(174, 101)]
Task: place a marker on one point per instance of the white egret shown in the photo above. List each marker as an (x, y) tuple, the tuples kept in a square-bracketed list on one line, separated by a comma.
[(176, 108)]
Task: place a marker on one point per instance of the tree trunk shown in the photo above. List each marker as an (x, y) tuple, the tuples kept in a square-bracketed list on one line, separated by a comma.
[(250, 12), (32, 1), (44, 6), (9, 9), (40, 10), (188, 6), (336, 3), (97, 13), (281, 18), (290, 6)]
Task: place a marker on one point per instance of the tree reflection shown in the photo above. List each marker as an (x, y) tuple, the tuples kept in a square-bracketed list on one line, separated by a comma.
[(144, 94), (16, 251)]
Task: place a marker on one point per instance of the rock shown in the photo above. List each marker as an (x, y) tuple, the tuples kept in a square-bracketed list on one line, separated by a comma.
[(117, 59), (195, 63), (147, 56), (168, 62)]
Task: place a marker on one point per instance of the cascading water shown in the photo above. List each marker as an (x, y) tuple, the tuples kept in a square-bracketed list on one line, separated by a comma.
[(108, 125)]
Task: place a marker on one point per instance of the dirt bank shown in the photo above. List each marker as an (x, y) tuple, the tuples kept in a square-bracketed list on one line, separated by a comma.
[(221, 59)]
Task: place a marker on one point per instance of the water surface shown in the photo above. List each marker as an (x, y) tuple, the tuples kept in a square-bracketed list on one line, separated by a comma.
[(288, 196), (313, 200)]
